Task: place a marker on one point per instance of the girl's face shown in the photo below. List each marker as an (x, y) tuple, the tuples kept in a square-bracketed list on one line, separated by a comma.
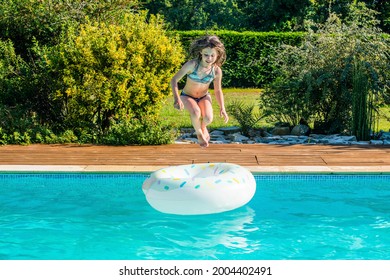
[(209, 55)]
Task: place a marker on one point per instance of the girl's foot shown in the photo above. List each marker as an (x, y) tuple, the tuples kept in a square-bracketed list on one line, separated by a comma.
[(203, 142), (206, 134)]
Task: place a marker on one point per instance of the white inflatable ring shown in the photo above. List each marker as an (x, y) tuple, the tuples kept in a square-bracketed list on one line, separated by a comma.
[(199, 188)]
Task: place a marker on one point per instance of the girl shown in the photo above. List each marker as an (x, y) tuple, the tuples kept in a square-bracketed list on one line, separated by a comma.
[(208, 55)]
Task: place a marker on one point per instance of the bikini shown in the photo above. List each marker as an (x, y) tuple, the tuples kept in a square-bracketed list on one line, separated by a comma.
[(205, 80), (197, 99)]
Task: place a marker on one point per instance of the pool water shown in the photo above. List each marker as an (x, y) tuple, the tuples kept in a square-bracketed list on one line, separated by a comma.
[(83, 216)]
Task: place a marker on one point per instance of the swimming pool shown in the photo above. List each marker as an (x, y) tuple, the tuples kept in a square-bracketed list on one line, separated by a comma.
[(93, 216)]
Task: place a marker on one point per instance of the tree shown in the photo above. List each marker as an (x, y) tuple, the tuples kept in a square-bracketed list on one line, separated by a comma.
[(383, 7), (275, 15), (319, 10), (256, 15), (198, 14)]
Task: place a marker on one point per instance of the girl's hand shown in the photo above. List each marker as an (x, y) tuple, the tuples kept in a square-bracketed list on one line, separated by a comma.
[(224, 115), (178, 105)]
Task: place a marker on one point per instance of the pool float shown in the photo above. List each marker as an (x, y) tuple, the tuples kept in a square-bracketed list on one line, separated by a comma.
[(199, 188)]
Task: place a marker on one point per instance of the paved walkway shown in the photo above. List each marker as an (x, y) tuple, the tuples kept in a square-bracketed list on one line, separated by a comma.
[(256, 157)]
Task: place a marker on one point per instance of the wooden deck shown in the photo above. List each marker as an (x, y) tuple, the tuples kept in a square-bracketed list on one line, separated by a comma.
[(267, 158)]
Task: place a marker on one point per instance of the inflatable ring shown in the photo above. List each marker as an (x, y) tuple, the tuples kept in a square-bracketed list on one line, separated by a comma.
[(199, 188)]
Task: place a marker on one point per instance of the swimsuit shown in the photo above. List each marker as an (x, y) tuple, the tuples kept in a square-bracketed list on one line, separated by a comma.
[(197, 99), (205, 80)]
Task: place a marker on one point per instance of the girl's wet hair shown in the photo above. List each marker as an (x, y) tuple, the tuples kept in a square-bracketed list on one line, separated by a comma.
[(209, 41)]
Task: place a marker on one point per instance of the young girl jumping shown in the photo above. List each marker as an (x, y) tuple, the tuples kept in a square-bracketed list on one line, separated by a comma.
[(208, 55)]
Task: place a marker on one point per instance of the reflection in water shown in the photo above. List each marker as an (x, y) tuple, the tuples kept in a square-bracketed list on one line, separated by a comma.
[(199, 237)]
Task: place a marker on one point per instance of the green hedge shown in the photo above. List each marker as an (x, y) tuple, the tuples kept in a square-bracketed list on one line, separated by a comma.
[(248, 54)]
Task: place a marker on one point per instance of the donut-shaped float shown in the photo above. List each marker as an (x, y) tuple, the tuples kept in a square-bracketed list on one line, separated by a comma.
[(199, 188)]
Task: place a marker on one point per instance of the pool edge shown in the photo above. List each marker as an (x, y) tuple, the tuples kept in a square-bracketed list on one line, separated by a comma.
[(254, 169)]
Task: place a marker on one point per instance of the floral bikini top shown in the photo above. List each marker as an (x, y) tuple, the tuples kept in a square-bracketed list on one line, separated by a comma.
[(206, 79)]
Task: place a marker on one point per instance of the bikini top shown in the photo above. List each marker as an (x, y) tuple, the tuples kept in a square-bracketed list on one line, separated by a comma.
[(205, 80)]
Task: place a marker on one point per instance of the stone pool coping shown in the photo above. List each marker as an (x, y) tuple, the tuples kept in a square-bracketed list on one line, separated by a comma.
[(148, 169)]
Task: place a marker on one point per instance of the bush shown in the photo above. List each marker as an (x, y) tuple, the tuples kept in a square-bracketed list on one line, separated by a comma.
[(26, 21), (245, 115), (13, 70), (145, 131), (317, 80), (20, 127), (108, 72), (98, 75)]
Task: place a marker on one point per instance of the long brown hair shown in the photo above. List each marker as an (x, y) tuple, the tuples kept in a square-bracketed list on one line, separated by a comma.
[(209, 41)]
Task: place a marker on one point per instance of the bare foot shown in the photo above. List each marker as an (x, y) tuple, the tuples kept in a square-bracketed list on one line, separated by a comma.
[(203, 142), (206, 134)]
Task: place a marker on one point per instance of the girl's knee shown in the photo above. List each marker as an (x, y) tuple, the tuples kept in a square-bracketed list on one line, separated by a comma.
[(207, 119), (195, 113)]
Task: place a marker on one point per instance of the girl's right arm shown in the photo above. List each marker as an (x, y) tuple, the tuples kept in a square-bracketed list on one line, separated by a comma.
[(175, 87)]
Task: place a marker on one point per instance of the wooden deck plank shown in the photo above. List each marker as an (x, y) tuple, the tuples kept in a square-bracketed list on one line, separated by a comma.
[(290, 160)]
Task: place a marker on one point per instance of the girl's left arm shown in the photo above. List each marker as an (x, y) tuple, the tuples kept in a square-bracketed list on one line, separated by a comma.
[(219, 94)]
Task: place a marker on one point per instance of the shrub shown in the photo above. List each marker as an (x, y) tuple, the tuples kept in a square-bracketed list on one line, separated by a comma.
[(245, 115), (110, 71), (20, 127), (13, 71), (362, 100), (316, 80), (24, 21), (145, 131)]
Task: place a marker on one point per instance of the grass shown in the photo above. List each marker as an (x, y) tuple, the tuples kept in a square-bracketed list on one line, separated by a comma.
[(181, 119), (384, 123)]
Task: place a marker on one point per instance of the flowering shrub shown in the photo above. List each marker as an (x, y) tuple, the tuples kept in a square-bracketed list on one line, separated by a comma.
[(110, 71)]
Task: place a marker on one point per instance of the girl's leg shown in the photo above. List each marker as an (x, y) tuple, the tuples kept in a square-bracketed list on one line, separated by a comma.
[(196, 118), (207, 115)]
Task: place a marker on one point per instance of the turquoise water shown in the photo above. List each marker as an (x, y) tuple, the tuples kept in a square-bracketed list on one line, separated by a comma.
[(105, 216)]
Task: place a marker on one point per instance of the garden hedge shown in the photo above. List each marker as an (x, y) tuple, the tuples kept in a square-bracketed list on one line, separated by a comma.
[(248, 54)]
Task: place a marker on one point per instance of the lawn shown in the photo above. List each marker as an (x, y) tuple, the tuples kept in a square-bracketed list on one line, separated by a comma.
[(175, 118), (384, 121)]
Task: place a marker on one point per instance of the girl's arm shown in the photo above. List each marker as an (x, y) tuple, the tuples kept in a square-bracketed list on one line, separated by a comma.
[(175, 87), (219, 94)]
